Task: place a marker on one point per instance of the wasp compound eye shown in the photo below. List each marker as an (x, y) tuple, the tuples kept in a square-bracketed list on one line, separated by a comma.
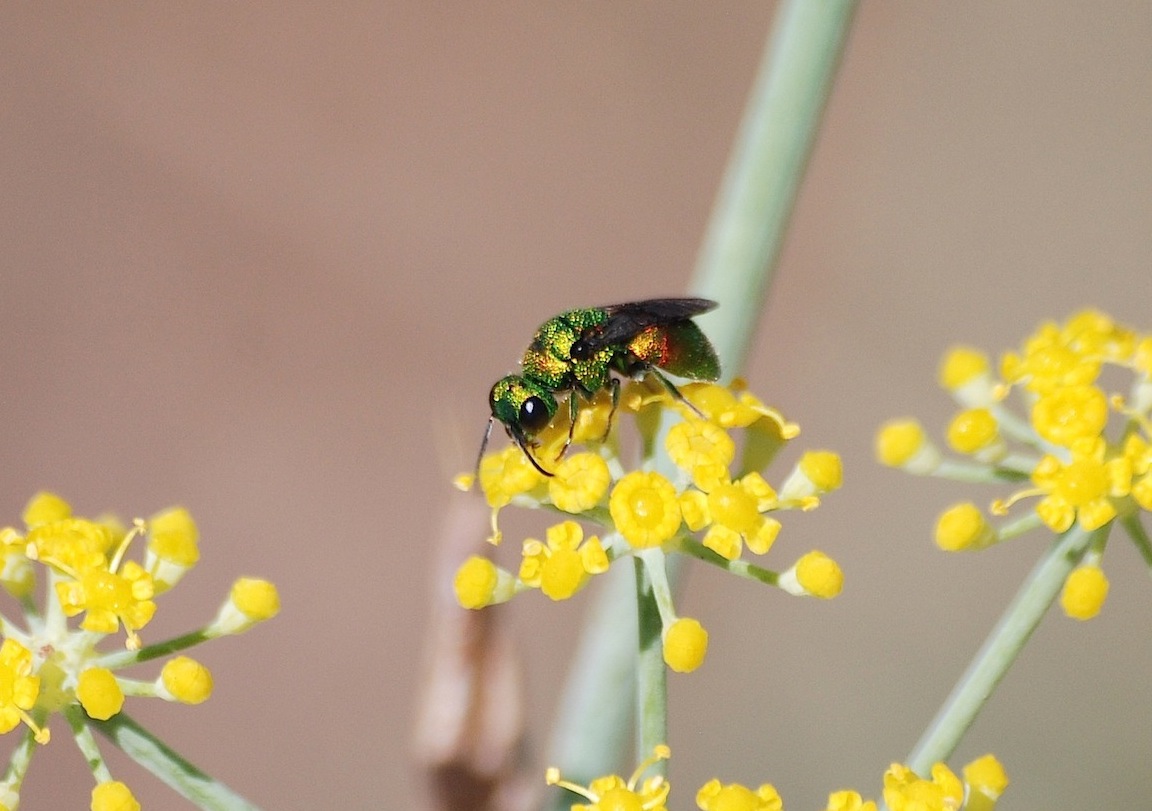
[(580, 350), (533, 414)]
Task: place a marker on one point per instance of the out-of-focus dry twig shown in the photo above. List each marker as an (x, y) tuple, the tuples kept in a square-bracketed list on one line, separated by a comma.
[(469, 736)]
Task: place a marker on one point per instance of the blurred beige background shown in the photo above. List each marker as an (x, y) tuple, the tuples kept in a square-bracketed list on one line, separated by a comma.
[(264, 260)]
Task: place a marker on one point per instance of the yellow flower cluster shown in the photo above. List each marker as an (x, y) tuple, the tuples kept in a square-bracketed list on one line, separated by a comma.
[(46, 666), (1086, 450), (983, 782), (706, 490)]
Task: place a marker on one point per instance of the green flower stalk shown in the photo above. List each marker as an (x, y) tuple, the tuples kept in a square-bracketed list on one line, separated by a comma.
[(49, 665)]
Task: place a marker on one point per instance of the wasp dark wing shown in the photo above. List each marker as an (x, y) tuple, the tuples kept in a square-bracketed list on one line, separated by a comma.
[(626, 321)]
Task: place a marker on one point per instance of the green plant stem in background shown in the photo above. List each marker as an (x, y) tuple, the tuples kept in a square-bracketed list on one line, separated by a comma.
[(651, 674), (1000, 649), (735, 267)]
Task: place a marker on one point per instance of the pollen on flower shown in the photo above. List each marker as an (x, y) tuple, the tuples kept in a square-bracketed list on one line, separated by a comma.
[(1084, 593), (185, 680), (962, 527), (645, 509), (579, 483), (713, 796), (113, 795), (99, 693), (685, 645)]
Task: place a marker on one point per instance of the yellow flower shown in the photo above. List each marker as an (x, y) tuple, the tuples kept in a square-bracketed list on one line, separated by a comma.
[(1084, 592), (44, 508), (99, 693), (734, 511), (613, 793), (976, 431), (110, 598), (694, 442), (903, 444), (1081, 490), (816, 473), (185, 680), (506, 474), (579, 482), (172, 547), (904, 790), (713, 796), (986, 776), (848, 801), (476, 583), (1070, 413), (113, 796), (965, 372), (18, 688), (645, 509), (562, 566), (685, 645), (818, 575), (962, 527)]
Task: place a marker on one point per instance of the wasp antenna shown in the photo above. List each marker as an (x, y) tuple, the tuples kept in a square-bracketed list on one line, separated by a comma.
[(483, 447)]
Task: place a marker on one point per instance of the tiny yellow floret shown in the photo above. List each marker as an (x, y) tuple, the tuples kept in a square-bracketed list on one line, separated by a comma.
[(475, 582), (1069, 413), (18, 687), (903, 444), (987, 776), (824, 469), (819, 575), (848, 801), (186, 680), (685, 645), (257, 599), (113, 796), (579, 482), (174, 536), (962, 527), (962, 365), (713, 796), (645, 509), (99, 693), (1084, 593), (973, 430), (44, 508)]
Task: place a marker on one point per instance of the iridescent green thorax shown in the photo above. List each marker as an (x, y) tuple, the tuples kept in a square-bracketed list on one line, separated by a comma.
[(549, 360)]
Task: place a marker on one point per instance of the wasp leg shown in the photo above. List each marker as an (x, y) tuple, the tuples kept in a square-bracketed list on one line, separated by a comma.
[(675, 392), (573, 412), (612, 413)]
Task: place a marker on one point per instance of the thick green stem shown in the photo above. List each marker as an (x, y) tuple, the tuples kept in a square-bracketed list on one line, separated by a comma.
[(1000, 649), (735, 265)]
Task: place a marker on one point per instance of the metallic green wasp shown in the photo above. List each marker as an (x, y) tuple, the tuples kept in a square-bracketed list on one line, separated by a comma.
[(579, 351)]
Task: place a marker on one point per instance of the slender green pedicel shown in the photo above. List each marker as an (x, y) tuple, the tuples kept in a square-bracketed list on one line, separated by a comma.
[(578, 352)]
